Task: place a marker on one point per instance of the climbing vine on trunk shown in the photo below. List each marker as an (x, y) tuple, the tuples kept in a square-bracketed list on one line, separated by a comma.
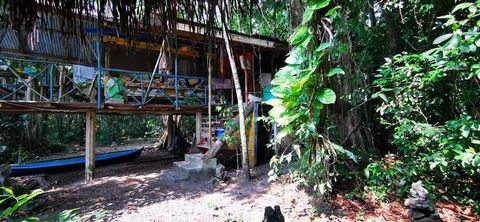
[(302, 94)]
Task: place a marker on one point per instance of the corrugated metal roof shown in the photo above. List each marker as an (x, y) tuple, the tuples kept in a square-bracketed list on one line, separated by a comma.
[(48, 45)]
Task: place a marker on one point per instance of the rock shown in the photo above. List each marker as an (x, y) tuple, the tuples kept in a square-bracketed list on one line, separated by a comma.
[(273, 215), (420, 207), (4, 173), (280, 216), (418, 190)]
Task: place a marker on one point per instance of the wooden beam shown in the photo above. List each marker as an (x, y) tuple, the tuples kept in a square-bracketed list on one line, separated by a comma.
[(90, 129), (146, 45), (9, 106)]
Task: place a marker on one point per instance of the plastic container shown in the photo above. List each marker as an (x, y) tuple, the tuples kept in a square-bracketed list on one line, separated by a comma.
[(266, 92), (219, 132)]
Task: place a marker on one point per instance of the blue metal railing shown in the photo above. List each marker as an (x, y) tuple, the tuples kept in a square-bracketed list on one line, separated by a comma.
[(15, 85)]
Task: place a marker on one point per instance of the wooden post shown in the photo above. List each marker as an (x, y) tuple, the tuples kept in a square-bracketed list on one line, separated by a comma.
[(170, 131), (61, 80), (90, 127), (198, 127)]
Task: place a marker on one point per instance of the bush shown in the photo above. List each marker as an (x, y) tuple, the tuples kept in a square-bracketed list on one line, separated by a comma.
[(430, 102)]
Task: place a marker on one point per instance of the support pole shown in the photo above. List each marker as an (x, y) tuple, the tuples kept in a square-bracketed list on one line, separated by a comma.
[(61, 79), (170, 131), (90, 131), (176, 81), (99, 67), (198, 127), (50, 84)]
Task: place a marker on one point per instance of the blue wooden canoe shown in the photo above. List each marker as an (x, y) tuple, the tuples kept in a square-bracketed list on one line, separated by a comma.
[(72, 163)]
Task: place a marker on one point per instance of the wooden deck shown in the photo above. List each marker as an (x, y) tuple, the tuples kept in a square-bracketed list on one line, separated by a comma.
[(107, 108)]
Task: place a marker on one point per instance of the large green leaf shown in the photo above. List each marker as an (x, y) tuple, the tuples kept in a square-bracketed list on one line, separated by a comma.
[(462, 6), (323, 46), (318, 4), (284, 76), (442, 38), (345, 152), (335, 71), (326, 96), (300, 35), (278, 91), (307, 15), (296, 56)]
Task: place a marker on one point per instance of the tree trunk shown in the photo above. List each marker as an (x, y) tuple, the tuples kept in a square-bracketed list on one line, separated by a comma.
[(210, 71), (295, 14), (170, 131), (241, 115), (393, 32), (371, 13)]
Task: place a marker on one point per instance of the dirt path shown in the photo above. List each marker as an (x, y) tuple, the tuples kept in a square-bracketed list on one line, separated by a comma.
[(139, 191)]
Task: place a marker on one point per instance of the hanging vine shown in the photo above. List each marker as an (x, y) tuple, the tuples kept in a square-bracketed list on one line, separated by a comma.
[(302, 96)]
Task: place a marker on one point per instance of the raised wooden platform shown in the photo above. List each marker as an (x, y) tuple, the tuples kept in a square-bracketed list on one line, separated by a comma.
[(107, 108)]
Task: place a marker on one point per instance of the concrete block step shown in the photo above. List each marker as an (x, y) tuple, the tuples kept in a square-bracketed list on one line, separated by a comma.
[(176, 175), (210, 164), (187, 167), (197, 159), (194, 158)]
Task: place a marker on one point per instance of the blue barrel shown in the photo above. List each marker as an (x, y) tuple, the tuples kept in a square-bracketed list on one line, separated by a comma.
[(219, 132)]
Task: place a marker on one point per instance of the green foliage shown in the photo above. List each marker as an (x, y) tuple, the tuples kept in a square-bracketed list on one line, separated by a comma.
[(17, 201), (268, 18), (301, 93), (23, 137), (64, 216), (430, 102)]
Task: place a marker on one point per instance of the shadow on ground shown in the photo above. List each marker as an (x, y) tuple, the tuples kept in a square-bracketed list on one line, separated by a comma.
[(123, 188)]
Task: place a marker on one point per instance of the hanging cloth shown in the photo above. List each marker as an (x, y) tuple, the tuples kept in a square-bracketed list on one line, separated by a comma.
[(83, 74)]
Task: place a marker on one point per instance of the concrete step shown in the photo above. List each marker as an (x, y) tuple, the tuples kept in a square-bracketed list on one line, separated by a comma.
[(194, 158), (197, 160), (187, 167), (176, 175)]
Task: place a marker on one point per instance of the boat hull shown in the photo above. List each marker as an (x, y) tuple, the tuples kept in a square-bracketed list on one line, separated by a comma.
[(73, 163)]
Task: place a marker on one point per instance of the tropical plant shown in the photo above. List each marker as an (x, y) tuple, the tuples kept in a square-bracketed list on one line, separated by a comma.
[(16, 201), (302, 92), (429, 101)]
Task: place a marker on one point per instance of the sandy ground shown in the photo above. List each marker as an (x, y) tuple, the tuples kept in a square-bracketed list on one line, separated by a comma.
[(138, 191)]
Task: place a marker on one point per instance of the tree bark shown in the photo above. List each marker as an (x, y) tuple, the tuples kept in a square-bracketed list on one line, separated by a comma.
[(210, 71), (295, 14), (371, 13), (241, 114), (393, 32)]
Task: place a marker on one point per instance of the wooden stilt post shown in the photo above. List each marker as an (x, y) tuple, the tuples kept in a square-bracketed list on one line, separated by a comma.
[(170, 131), (90, 145), (198, 127)]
